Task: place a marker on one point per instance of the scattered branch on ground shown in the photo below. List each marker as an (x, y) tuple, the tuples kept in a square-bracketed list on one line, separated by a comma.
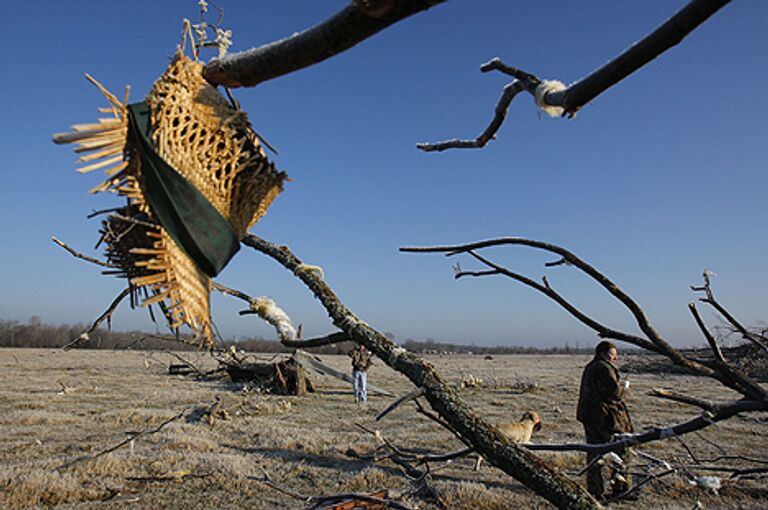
[(119, 445), (317, 502), (400, 401), (185, 362)]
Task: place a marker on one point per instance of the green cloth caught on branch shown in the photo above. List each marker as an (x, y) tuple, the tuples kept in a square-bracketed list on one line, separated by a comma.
[(185, 213)]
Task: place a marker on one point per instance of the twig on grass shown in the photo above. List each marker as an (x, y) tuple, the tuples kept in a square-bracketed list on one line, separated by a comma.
[(130, 439), (186, 362), (320, 501)]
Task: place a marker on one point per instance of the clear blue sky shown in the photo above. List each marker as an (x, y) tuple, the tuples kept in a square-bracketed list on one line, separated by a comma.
[(660, 177)]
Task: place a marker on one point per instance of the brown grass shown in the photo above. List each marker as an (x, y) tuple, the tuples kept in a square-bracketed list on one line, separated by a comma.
[(302, 442)]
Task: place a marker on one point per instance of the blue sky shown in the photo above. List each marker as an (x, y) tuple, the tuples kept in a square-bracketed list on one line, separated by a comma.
[(660, 177)]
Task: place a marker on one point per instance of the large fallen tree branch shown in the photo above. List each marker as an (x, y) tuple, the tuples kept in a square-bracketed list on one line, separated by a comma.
[(473, 429), (358, 21), (755, 397)]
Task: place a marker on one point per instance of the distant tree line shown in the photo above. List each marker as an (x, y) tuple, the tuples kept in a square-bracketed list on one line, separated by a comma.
[(35, 334), (431, 346)]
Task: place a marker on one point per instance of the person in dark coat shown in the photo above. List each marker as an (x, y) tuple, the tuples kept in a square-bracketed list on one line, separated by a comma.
[(603, 413), (361, 361)]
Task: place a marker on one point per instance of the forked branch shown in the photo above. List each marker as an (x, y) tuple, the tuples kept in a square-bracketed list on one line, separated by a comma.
[(557, 99), (737, 326), (719, 369)]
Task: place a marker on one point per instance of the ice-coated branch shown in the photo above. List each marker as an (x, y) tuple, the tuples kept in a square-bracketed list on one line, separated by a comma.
[(558, 100), (265, 308), (474, 430)]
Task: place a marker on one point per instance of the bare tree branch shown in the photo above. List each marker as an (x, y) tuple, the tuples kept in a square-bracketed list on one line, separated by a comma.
[(79, 255), (707, 405), (572, 98), (710, 300), (571, 259), (602, 330), (107, 315), (333, 338), (669, 34), (719, 370), (704, 331), (132, 437), (358, 21), (485, 438), (400, 401), (510, 91)]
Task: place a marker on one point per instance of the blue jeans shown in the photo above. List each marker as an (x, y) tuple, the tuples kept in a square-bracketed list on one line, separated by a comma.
[(359, 377)]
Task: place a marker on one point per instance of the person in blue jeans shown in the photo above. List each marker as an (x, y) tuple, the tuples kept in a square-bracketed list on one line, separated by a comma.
[(361, 361)]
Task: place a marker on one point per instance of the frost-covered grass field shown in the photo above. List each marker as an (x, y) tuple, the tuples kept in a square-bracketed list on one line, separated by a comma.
[(61, 406)]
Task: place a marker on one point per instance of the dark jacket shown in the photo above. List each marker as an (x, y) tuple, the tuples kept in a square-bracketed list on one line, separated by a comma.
[(361, 359), (601, 398)]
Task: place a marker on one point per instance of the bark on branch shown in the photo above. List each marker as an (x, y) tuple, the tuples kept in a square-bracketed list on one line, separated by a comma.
[(474, 430), (669, 34), (572, 98), (358, 21)]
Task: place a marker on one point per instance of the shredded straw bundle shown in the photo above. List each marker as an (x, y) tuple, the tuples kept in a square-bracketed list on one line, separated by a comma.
[(196, 179)]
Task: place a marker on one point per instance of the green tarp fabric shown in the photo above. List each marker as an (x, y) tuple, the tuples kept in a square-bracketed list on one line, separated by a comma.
[(189, 218)]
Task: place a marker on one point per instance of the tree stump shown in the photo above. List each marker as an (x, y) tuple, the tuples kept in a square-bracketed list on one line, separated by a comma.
[(285, 377)]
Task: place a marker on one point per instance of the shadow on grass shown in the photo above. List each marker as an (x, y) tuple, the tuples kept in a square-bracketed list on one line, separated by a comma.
[(356, 465)]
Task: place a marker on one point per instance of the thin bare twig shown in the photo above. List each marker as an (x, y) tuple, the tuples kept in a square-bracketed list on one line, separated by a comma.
[(510, 91), (107, 315), (80, 255), (710, 300), (704, 331), (132, 437), (400, 401)]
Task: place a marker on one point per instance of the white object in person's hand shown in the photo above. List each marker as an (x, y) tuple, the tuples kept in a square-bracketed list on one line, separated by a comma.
[(625, 384)]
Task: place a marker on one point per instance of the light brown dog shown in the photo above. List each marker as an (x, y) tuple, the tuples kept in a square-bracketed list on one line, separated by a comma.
[(518, 431), (521, 431)]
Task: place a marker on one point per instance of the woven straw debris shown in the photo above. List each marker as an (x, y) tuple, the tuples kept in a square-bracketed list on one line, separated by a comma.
[(198, 133)]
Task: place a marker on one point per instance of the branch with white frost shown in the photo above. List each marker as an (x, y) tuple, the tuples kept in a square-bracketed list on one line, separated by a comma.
[(444, 400), (556, 99)]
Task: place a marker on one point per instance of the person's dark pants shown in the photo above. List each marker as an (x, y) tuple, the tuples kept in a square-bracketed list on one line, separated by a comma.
[(595, 472)]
